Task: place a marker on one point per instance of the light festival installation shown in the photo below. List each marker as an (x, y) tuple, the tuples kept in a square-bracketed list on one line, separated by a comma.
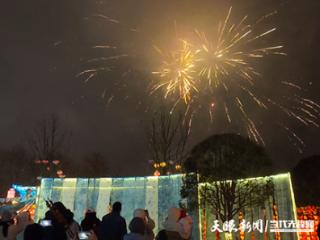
[(282, 209), (23, 198), (157, 194), (26, 193)]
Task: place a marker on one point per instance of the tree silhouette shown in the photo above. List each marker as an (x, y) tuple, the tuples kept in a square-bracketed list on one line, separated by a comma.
[(93, 165), (17, 167), (220, 164), (47, 142), (167, 137), (306, 179)]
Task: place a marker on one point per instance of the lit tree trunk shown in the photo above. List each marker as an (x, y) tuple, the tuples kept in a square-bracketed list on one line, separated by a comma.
[(275, 217), (217, 232), (204, 224), (241, 232)]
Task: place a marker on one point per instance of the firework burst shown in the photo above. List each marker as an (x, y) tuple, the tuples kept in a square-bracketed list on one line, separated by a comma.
[(177, 72), (230, 53), (215, 73), (220, 73)]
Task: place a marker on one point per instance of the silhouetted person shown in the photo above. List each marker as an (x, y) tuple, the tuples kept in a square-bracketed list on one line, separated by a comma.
[(64, 217), (113, 226), (137, 229), (54, 230), (318, 230), (162, 235), (91, 223), (5, 222), (34, 232)]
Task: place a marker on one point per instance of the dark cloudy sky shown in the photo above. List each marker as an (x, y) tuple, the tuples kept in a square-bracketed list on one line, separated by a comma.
[(45, 44)]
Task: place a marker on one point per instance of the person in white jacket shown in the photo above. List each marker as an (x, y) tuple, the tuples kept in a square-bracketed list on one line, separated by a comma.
[(137, 229)]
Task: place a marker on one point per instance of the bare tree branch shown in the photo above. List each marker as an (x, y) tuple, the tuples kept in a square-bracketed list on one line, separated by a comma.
[(168, 136), (47, 140)]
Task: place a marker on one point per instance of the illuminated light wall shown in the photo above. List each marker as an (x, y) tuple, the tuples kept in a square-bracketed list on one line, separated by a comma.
[(157, 194), (285, 210)]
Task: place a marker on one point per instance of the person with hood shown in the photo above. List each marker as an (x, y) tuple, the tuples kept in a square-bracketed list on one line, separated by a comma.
[(137, 229), (113, 226), (186, 222), (16, 231), (149, 223)]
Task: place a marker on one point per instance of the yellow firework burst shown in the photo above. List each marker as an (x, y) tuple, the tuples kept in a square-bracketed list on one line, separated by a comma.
[(177, 70), (230, 52)]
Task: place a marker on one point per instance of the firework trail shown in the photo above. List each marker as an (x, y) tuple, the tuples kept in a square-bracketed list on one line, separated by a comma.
[(215, 73), (223, 68), (107, 63), (229, 55)]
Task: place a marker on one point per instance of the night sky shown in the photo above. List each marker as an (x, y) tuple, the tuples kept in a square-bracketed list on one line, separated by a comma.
[(45, 44)]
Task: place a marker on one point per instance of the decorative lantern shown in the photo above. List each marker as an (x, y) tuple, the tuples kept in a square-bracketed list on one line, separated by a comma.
[(11, 193), (163, 164)]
